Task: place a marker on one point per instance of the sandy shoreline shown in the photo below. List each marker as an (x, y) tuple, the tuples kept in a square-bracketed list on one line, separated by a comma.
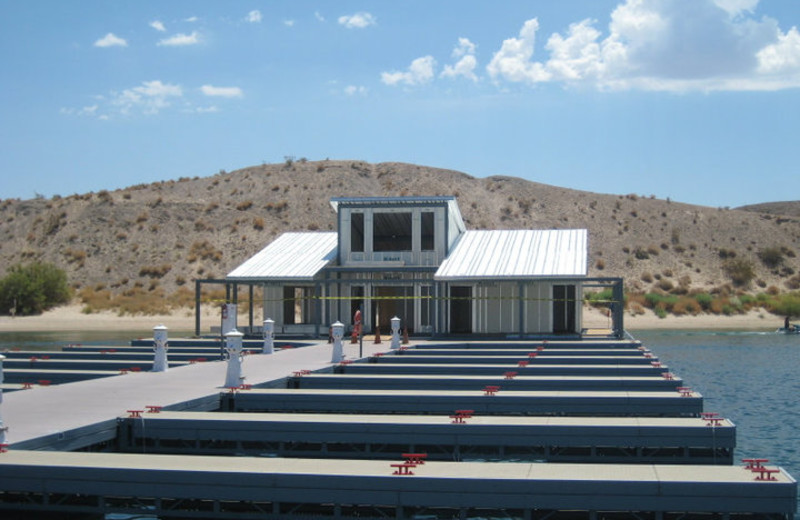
[(70, 318)]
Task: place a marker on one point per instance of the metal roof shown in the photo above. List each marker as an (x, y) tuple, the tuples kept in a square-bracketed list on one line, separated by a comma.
[(403, 201), (517, 254), (294, 256)]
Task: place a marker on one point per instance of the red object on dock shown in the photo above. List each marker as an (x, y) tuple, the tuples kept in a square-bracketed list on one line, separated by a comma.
[(510, 375), (522, 364), (135, 414), (3, 448), (533, 354), (153, 408), (754, 464), (403, 468), (415, 458), (656, 364), (44, 382), (685, 391), (491, 389), (27, 385), (461, 416)]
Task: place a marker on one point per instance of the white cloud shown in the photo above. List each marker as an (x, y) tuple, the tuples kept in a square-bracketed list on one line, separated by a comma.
[(513, 61), (736, 7), (150, 97), (206, 110), (181, 39), (669, 45), (319, 16), (288, 23), (226, 92), (419, 72), (352, 90), (111, 40), (158, 26), (357, 20), (89, 111), (464, 52), (191, 19), (253, 16), (781, 56)]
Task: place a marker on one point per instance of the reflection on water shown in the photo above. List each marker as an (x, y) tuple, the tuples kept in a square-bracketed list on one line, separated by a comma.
[(57, 340)]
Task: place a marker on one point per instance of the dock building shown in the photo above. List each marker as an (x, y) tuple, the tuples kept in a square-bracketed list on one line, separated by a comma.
[(414, 258)]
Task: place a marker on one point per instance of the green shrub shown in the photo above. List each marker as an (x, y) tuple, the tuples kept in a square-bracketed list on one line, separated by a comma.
[(704, 299), (771, 257), (739, 270), (33, 288)]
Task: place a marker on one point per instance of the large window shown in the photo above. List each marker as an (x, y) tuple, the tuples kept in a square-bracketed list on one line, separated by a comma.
[(297, 305), (357, 232), (391, 231), (427, 242)]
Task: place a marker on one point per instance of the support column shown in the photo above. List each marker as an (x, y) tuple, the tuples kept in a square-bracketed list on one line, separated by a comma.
[(269, 337), (160, 347), (233, 347), (3, 428)]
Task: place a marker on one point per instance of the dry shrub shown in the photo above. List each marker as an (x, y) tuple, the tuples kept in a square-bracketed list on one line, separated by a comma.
[(204, 250), (600, 264), (665, 285), (686, 305), (647, 277), (258, 223), (75, 256), (635, 309), (244, 205), (155, 271)]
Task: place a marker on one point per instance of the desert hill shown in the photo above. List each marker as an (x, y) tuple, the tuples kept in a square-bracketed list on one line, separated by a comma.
[(789, 208), (159, 237)]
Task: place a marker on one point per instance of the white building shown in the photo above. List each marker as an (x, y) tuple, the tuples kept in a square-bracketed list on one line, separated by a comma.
[(413, 257)]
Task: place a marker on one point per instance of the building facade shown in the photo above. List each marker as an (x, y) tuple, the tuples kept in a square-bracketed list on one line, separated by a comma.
[(412, 257)]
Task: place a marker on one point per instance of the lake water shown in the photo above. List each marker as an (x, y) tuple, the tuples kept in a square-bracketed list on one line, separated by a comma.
[(748, 377)]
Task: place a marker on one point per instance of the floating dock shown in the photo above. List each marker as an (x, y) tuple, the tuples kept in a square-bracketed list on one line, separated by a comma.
[(582, 429), (457, 437), (230, 487), (508, 381)]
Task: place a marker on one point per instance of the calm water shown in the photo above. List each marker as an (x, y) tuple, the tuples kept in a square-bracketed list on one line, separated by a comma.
[(751, 378)]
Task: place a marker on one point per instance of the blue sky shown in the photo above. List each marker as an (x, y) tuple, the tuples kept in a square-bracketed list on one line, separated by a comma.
[(695, 100)]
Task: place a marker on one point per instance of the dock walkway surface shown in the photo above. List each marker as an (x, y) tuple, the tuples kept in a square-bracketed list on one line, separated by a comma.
[(61, 417), (236, 469)]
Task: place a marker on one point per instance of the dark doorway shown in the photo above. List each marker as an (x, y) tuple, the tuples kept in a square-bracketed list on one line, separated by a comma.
[(460, 310), (391, 301), (563, 309)]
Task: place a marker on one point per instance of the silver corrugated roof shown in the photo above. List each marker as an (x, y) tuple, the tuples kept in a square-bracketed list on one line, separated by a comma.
[(517, 253), (295, 256)]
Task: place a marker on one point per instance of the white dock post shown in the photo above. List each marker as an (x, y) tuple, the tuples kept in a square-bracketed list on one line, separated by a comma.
[(338, 334), (3, 429), (395, 333), (269, 336), (229, 315), (160, 347), (233, 346)]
